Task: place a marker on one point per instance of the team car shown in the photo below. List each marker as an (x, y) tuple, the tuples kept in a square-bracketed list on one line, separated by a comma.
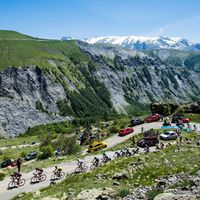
[(96, 145)]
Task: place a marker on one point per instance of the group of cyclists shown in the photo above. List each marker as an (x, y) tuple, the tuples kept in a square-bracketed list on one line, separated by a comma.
[(126, 152), (58, 172)]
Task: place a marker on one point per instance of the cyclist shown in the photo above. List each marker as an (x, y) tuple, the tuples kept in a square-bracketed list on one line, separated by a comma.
[(127, 152), (105, 157), (122, 152), (57, 171), (117, 154), (146, 148), (38, 171), (157, 147), (80, 164), (17, 176), (95, 161)]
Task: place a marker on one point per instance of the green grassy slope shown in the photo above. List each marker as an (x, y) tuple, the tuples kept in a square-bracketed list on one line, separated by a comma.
[(27, 52), (63, 59), (7, 34)]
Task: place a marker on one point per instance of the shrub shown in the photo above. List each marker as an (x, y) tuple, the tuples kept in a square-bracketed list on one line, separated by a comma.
[(153, 193), (1, 152), (6, 156), (67, 144), (122, 193), (2, 176), (46, 152), (23, 154), (113, 129), (71, 147)]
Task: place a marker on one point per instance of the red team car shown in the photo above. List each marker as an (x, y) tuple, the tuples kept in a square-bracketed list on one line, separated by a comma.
[(126, 131), (153, 118)]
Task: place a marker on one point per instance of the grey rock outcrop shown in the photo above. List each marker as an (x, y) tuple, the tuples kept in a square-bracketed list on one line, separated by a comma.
[(20, 90), (133, 77)]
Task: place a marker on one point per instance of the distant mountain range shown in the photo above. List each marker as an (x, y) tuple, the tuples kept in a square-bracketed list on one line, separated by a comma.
[(146, 43)]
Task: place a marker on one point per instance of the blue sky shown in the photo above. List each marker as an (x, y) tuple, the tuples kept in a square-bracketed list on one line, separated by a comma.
[(88, 18)]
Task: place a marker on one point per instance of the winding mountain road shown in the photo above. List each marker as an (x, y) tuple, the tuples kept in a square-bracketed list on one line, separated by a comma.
[(68, 167)]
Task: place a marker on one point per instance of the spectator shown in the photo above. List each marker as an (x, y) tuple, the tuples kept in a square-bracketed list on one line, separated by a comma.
[(195, 127), (133, 140), (162, 145), (19, 163), (180, 138)]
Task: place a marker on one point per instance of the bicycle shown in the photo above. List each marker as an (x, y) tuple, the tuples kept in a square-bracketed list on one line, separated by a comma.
[(15, 183), (38, 178), (105, 159), (81, 168), (57, 176), (135, 151), (128, 153), (117, 155)]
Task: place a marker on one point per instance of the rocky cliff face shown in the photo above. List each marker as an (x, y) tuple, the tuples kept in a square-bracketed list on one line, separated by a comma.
[(98, 79), (28, 97), (133, 77)]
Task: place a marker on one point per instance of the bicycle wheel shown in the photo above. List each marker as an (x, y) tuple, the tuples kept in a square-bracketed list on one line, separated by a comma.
[(22, 182), (43, 177), (62, 175), (92, 166), (85, 168), (34, 179), (77, 170), (54, 177), (11, 185)]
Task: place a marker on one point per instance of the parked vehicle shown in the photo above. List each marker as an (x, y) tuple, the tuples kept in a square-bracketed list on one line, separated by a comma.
[(149, 141), (177, 118), (166, 124), (14, 163), (31, 156), (186, 120), (6, 163), (135, 122), (168, 135), (126, 131), (96, 145), (153, 118)]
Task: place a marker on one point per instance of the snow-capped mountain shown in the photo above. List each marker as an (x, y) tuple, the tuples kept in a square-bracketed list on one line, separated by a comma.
[(194, 47), (143, 43), (67, 38)]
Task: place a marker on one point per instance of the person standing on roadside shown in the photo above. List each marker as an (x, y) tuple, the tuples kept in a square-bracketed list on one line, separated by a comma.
[(19, 163), (180, 138)]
